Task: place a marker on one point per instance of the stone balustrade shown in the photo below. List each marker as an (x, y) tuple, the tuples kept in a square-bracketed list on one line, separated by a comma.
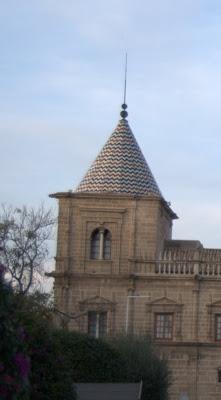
[(206, 263)]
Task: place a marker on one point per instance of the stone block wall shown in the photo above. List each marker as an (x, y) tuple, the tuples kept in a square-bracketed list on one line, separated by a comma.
[(139, 227)]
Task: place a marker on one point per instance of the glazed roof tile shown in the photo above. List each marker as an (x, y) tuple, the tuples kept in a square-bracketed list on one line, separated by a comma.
[(120, 167)]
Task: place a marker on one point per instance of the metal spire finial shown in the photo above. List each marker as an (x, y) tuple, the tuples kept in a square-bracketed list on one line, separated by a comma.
[(125, 79), (124, 113)]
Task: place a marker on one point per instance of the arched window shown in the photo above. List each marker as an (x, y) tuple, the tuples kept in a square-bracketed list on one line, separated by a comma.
[(95, 245), (100, 245)]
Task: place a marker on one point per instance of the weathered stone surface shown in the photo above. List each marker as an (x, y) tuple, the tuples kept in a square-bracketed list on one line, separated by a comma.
[(147, 274)]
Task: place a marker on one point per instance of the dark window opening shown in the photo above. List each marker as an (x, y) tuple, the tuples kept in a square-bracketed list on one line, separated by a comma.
[(100, 245), (218, 327), (107, 245), (97, 324), (95, 244)]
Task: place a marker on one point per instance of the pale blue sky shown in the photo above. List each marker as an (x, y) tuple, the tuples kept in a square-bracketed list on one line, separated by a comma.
[(61, 81)]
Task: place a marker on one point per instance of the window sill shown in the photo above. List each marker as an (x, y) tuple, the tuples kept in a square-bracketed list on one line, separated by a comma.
[(99, 266)]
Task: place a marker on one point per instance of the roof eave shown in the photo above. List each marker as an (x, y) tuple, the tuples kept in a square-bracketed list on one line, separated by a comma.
[(70, 194), (172, 214)]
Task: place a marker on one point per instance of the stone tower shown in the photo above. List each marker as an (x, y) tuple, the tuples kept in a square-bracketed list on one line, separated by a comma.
[(114, 222), (118, 269)]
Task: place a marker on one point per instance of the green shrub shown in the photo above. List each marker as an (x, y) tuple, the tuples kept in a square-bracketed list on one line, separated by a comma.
[(91, 360), (50, 376), (14, 357), (59, 358), (32, 363), (142, 363), (119, 359)]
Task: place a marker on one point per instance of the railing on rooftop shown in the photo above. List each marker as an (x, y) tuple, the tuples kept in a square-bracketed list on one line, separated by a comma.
[(206, 263)]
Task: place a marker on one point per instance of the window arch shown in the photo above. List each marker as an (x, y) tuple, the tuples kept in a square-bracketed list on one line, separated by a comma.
[(100, 244)]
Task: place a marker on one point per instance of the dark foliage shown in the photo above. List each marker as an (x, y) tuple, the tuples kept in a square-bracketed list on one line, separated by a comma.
[(121, 359), (142, 363), (91, 360), (39, 362), (32, 363), (14, 357), (50, 375)]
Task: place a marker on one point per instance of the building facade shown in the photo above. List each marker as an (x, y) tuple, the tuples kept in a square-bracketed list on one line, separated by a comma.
[(119, 270)]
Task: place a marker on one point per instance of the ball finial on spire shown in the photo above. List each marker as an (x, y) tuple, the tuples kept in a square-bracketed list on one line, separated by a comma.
[(124, 113)]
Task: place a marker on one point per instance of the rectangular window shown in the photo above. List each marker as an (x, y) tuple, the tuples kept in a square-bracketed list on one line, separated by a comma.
[(218, 327), (163, 326), (97, 324)]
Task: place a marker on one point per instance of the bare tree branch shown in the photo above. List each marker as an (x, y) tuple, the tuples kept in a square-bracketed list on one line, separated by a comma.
[(24, 237)]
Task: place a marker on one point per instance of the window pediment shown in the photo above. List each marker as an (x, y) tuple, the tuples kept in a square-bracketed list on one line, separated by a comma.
[(214, 307), (165, 315), (163, 300), (164, 304), (96, 303)]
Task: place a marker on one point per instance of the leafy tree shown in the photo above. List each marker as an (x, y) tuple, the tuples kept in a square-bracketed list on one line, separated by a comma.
[(58, 358), (14, 357), (32, 363), (119, 359), (142, 363), (24, 236), (91, 360), (39, 362), (50, 375)]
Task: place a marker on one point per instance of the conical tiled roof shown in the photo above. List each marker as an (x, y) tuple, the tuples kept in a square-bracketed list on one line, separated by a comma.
[(120, 167)]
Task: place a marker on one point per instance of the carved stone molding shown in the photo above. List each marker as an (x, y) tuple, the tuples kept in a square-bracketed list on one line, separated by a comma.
[(165, 305)]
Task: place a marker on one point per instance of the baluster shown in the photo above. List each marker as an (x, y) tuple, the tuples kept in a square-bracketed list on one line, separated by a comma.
[(169, 268)]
